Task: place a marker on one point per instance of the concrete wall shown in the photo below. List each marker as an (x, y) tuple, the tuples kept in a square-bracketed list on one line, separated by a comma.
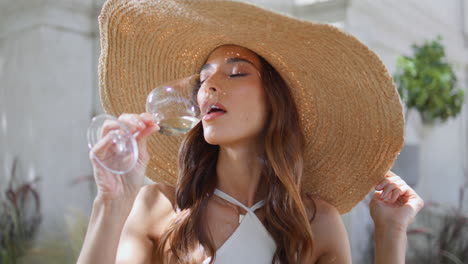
[(48, 79)]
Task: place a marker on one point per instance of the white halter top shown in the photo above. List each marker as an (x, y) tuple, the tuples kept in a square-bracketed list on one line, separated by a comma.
[(250, 243)]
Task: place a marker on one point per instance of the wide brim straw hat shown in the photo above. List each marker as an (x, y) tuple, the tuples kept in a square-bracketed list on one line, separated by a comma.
[(350, 110)]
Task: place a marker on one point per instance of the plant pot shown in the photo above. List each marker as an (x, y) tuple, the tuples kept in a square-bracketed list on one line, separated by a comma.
[(407, 164)]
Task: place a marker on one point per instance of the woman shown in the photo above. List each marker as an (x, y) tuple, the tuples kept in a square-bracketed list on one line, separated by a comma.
[(249, 187)]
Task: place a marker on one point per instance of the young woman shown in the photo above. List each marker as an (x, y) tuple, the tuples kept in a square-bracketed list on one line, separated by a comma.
[(249, 188)]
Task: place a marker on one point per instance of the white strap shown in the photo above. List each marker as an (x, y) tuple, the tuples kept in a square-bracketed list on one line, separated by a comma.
[(231, 199)]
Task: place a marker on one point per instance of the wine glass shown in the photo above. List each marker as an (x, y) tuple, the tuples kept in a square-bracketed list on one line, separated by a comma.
[(112, 144), (174, 107), (175, 110)]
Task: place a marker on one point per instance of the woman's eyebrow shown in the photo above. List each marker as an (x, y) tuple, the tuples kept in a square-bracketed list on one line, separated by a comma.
[(229, 60)]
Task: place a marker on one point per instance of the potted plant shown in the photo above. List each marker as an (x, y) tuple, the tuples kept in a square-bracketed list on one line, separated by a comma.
[(18, 223), (426, 83)]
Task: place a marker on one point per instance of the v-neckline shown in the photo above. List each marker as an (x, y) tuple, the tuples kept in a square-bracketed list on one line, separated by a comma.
[(248, 210), (255, 220)]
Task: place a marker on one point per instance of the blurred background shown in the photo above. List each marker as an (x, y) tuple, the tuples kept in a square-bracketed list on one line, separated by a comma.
[(49, 52)]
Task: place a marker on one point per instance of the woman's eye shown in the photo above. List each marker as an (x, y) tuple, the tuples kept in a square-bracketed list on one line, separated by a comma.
[(231, 75), (238, 74)]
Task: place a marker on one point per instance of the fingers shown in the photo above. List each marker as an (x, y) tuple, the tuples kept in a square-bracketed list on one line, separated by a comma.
[(150, 125), (396, 191), (392, 187), (133, 122), (147, 118), (106, 148), (390, 184), (108, 126), (141, 123), (141, 126), (394, 195), (414, 200)]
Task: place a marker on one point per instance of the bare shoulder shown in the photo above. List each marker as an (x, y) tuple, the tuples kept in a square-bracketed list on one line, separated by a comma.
[(326, 218), (318, 210), (154, 207), (150, 215), (329, 233), (156, 194), (321, 214)]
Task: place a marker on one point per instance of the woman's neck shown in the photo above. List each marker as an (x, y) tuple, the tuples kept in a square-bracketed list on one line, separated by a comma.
[(238, 173)]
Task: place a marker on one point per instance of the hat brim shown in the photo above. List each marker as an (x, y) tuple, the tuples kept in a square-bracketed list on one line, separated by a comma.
[(350, 110)]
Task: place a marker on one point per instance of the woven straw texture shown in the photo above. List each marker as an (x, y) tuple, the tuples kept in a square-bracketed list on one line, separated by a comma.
[(350, 110)]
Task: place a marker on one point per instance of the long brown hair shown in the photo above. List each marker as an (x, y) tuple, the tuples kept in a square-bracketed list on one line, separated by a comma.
[(285, 215)]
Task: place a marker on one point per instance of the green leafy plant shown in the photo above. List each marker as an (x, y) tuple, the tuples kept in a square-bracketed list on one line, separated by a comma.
[(20, 217), (64, 246), (427, 82)]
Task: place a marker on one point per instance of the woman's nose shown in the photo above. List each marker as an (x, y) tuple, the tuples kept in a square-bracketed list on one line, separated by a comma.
[(209, 89), (212, 85), (212, 89)]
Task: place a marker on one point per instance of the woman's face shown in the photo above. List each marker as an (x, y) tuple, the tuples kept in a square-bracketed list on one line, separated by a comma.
[(231, 79)]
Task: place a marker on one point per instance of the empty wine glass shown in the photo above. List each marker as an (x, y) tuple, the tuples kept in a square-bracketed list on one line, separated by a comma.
[(175, 110)]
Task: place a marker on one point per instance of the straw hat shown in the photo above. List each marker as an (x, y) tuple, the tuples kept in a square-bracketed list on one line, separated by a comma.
[(349, 107)]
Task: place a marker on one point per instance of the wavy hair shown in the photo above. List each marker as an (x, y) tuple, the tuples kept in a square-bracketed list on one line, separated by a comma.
[(285, 214)]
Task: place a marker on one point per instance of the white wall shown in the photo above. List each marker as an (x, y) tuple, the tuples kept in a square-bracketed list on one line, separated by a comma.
[(48, 78), (282, 6)]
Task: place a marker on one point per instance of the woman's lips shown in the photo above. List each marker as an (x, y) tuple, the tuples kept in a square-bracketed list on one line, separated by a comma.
[(213, 115)]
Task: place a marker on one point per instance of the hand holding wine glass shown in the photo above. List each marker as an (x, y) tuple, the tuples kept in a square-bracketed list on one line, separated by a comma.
[(118, 146), (108, 151)]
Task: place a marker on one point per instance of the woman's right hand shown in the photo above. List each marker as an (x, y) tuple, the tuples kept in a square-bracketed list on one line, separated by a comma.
[(111, 186)]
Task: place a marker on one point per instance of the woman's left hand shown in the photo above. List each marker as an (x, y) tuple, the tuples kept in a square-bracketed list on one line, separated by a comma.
[(394, 204)]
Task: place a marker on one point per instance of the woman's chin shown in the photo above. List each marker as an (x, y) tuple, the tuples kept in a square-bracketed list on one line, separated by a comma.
[(225, 137), (213, 140)]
